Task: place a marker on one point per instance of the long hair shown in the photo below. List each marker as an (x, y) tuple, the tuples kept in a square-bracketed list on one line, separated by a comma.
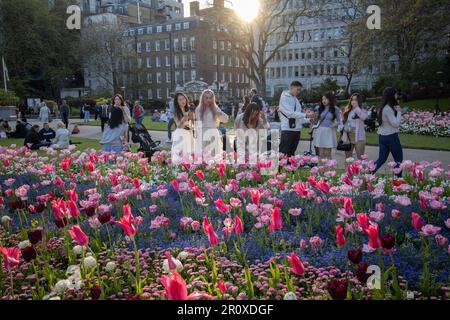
[(116, 118), (332, 105), (179, 113), (252, 107), (388, 100), (349, 106), (202, 106), (246, 103), (122, 100)]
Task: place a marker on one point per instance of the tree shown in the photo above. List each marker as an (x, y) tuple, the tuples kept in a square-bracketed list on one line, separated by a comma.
[(274, 27), (38, 48)]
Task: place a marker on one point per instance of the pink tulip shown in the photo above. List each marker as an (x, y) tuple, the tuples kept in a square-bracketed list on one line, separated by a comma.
[(205, 224), (348, 206), (79, 236), (416, 221), (176, 288), (72, 195), (212, 236), (372, 231), (10, 257), (276, 220), (363, 221), (126, 224), (175, 185), (222, 287), (238, 225), (221, 206), (340, 239), (172, 264), (200, 175), (256, 196), (73, 209), (297, 265), (429, 230), (441, 240)]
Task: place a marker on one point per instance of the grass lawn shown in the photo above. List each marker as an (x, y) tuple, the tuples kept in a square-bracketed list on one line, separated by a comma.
[(423, 105), (85, 143)]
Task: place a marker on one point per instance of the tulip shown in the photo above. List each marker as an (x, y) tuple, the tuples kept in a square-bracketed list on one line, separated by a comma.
[(222, 287), (297, 265), (276, 220), (416, 221), (200, 175), (72, 195), (96, 292), (388, 241), (363, 221), (348, 206), (126, 224), (35, 236), (340, 239), (73, 209), (205, 224), (29, 253), (238, 225), (355, 255), (10, 257), (79, 236), (372, 231), (256, 196), (212, 236), (176, 288), (175, 185), (361, 273), (172, 264), (221, 206), (104, 218), (338, 289)]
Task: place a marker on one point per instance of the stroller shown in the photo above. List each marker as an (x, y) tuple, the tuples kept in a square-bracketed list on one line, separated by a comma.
[(139, 134)]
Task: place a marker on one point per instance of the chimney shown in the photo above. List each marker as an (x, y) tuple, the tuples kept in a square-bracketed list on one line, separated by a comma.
[(219, 3), (194, 8)]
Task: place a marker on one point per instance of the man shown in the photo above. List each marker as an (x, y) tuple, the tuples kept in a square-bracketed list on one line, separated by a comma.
[(138, 112), (44, 113), (104, 115), (47, 133), (255, 98), (23, 108), (65, 112), (292, 119), (33, 140), (171, 121)]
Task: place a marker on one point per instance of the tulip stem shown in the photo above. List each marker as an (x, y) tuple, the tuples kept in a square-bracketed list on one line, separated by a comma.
[(138, 273), (12, 284)]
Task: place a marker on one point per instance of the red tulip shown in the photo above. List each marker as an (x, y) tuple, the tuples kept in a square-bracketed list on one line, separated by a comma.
[(297, 265), (59, 209), (222, 287), (200, 174), (238, 225), (175, 185), (72, 195), (126, 222), (65, 164), (276, 220), (348, 206), (90, 166), (256, 196), (221, 206), (212, 236), (198, 193), (10, 257), (323, 186), (340, 239), (423, 203), (375, 241), (191, 183), (363, 221), (127, 211), (136, 183), (416, 221), (73, 209), (79, 236), (338, 289), (176, 288), (221, 169)]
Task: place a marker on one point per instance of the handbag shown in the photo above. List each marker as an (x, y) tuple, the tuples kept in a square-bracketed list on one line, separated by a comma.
[(343, 146)]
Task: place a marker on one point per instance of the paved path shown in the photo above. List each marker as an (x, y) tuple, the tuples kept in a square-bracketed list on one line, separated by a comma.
[(94, 132)]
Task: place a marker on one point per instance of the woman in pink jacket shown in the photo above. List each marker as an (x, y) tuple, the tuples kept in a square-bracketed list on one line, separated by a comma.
[(352, 122)]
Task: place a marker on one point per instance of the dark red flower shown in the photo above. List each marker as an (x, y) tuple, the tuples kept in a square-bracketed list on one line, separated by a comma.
[(355, 255), (104, 218), (133, 298), (39, 207), (338, 289), (89, 211), (361, 272), (35, 236), (96, 292), (388, 241), (62, 223), (17, 204), (29, 253)]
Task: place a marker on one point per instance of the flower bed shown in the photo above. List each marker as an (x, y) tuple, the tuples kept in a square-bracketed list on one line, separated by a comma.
[(89, 225), (426, 123)]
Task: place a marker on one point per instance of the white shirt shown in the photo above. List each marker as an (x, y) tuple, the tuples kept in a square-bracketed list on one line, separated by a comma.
[(290, 107), (391, 123)]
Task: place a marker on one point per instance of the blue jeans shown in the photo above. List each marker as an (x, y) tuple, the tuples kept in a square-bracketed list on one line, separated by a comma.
[(115, 149), (139, 120), (87, 116), (389, 144)]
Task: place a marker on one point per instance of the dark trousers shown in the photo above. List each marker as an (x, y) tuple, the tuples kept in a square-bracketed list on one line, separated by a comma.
[(169, 128), (389, 144), (65, 120), (289, 142), (103, 121)]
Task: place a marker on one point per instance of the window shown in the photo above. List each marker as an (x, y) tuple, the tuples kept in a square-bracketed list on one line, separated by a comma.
[(177, 77), (139, 47), (169, 28), (149, 30), (148, 47), (141, 31), (222, 45), (149, 94), (222, 60), (139, 63), (167, 45), (149, 78), (158, 93), (178, 26), (158, 61), (158, 77), (176, 61), (192, 43), (149, 62), (186, 25), (184, 61), (167, 61), (184, 44), (158, 45), (193, 60), (168, 77), (193, 74), (215, 60), (214, 44), (215, 76), (176, 44), (159, 29)]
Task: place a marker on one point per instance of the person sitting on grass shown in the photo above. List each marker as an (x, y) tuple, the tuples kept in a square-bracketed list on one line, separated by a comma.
[(33, 140), (21, 131), (156, 116), (76, 129), (62, 136), (47, 133), (5, 129)]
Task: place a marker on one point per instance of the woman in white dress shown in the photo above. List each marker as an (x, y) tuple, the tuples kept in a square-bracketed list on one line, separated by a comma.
[(208, 140), (183, 137)]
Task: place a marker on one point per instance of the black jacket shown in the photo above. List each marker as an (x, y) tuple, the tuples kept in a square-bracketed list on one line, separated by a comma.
[(47, 135), (32, 138)]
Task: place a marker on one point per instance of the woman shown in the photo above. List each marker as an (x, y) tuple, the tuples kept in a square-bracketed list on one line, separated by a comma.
[(62, 136), (389, 118), (33, 140), (113, 137), (352, 126), (246, 102), (252, 119), (119, 102), (87, 112), (138, 112), (324, 135), (208, 118), (183, 136)]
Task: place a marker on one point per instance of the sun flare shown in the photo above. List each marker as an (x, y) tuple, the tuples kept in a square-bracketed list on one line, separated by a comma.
[(246, 9)]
